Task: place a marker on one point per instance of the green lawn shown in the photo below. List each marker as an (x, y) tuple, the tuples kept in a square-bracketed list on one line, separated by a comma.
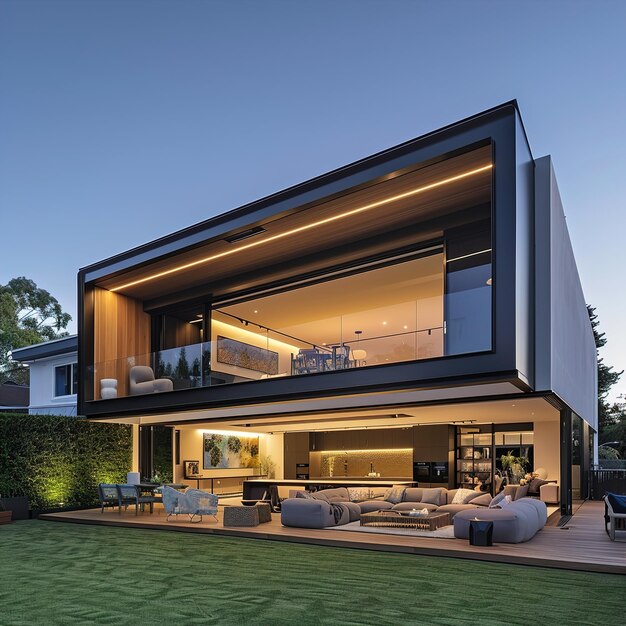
[(54, 573)]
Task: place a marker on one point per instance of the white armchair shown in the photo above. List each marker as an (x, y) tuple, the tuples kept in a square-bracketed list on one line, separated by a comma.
[(142, 381)]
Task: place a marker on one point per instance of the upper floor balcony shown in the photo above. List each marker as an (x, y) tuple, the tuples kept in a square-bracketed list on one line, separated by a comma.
[(401, 269)]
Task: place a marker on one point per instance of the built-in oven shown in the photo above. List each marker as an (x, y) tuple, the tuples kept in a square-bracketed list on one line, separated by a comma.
[(439, 472), (421, 472)]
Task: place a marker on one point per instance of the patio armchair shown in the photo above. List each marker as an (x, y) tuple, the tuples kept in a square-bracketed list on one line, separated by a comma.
[(193, 502), (129, 495), (108, 496), (614, 514)]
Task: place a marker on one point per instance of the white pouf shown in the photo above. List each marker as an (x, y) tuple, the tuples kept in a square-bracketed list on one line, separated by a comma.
[(108, 388)]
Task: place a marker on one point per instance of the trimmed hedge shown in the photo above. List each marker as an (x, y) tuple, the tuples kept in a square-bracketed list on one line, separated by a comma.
[(58, 461)]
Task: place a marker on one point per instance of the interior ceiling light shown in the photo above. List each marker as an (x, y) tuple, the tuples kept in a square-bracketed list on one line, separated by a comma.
[(293, 231), (234, 433)]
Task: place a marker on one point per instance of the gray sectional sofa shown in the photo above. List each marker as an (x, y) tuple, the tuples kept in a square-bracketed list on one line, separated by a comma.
[(334, 507)]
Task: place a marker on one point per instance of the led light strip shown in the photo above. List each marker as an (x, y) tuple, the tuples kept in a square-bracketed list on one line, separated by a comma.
[(467, 256), (328, 220)]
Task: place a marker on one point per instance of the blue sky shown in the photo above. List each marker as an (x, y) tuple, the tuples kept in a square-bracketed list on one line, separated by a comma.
[(122, 121)]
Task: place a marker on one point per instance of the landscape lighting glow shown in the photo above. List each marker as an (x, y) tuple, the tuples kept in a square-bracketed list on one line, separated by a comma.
[(334, 218)]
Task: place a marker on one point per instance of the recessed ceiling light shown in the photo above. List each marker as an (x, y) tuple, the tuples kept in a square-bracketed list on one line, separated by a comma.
[(303, 228), (384, 323), (405, 327), (255, 311)]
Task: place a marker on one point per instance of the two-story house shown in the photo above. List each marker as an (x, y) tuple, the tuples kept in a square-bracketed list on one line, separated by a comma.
[(414, 315)]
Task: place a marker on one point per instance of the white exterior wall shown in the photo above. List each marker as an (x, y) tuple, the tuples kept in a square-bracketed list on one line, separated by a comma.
[(566, 360), (42, 398)]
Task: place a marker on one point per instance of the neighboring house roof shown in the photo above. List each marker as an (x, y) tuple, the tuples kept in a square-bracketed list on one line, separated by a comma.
[(65, 345), (14, 395)]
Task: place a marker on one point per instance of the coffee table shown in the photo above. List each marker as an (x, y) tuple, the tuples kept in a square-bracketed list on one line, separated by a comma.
[(401, 519)]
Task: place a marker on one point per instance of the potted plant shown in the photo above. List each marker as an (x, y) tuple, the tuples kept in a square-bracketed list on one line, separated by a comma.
[(5, 516), (513, 466)]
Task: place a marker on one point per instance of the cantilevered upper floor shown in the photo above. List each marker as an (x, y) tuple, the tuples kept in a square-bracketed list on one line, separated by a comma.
[(423, 267)]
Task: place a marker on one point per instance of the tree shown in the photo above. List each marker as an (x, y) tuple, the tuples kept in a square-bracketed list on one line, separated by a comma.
[(28, 314), (606, 376)]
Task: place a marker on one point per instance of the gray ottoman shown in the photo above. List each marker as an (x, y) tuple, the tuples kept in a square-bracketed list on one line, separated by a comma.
[(241, 516), (305, 513), (265, 512)]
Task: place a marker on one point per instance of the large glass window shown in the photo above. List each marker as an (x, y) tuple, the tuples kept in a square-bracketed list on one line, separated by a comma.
[(389, 314), (468, 289)]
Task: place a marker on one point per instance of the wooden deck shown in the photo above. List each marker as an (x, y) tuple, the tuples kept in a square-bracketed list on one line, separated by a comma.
[(581, 544)]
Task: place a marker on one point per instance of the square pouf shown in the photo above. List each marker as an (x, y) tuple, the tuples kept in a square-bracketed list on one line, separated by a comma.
[(265, 512), (241, 516)]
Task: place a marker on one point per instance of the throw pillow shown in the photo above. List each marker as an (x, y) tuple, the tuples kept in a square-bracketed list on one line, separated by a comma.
[(535, 483), (510, 490), (496, 501), (304, 494), (521, 492), (482, 500), (359, 494), (461, 495), (395, 494), (432, 496), (506, 501)]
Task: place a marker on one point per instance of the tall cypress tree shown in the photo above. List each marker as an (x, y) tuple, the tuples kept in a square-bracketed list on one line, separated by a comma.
[(606, 376)]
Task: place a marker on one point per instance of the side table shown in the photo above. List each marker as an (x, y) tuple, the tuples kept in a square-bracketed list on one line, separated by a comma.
[(480, 533), (241, 516)]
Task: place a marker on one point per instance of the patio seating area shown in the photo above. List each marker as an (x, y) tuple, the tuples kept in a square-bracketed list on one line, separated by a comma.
[(580, 544)]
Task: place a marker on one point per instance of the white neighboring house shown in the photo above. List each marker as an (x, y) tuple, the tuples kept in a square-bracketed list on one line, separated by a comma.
[(53, 375)]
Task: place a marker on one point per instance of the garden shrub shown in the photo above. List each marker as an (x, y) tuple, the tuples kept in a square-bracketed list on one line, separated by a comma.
[(58, 461)]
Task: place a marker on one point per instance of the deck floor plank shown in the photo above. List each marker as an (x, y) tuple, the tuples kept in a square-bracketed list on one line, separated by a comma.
[(581, 544)]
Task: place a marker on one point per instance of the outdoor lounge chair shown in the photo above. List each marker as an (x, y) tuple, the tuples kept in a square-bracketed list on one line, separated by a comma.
[(129, 495), (193, 502), (108, 496), (614, 514)]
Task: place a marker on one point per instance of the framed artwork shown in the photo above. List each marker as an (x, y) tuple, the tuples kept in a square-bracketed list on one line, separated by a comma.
[(233, 352), (229, 451), (192, 468)]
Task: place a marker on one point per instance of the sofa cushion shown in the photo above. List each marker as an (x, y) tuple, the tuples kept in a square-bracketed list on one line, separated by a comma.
[(305, 513), (374, 505), (463, 496), (521, 492), (319, 495), (395, 494), (377, 493), (408, 506), (453, 509), (413, 494), (304, 494), (433, 496), (509, 526), (353, 510), (338, 494), (483, 499)]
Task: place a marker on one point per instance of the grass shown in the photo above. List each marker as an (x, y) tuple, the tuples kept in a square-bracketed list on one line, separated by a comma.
[(55, 573)]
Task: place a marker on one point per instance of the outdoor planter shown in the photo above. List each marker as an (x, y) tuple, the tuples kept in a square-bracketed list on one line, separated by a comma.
[(5, 517)]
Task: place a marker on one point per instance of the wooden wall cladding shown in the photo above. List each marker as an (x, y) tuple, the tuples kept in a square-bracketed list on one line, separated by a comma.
[(121, 329)]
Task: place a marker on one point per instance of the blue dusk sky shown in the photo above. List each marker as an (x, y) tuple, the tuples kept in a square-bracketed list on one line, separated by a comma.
[(122, 121)]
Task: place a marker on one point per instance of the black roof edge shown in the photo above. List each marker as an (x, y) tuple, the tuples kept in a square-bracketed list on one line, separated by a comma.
[(64, 345), (312, 182)]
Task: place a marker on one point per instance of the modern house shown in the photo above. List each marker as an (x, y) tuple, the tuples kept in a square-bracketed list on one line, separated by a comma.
[(415, 315), (53, 375)]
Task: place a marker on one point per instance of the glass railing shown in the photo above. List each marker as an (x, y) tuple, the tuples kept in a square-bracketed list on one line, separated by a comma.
[(226, 361)]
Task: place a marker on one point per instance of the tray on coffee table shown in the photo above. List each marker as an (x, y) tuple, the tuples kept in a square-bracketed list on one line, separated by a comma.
[(398, 519)]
